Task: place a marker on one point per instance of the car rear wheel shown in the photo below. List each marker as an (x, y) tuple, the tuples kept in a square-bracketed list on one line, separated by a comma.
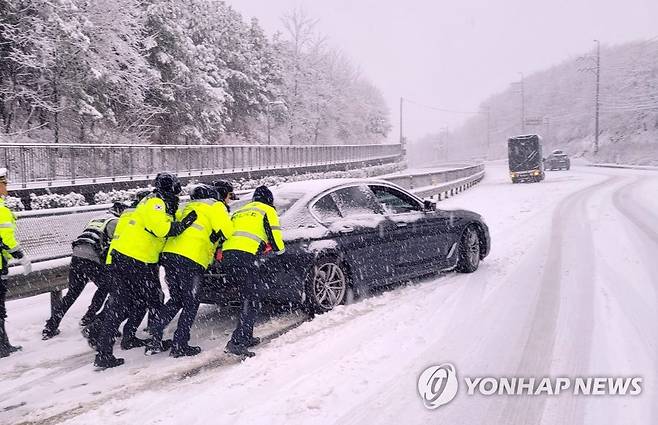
[(469, 251), (326, 286)]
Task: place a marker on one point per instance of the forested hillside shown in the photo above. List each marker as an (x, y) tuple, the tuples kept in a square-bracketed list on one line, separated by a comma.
[(175, 71), (560, 105)]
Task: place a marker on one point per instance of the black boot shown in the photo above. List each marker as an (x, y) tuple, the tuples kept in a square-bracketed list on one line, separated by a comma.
[(105, 361), (128, 343), (184, 351), (254, 341), (5, 347), (156, 346), (49, 332), (238, 350)]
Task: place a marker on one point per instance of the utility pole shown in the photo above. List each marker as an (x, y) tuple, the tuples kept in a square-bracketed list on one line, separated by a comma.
[(401, 136), (596, 70), (522, 103), (488, 112), (598, 83), (443, 142)]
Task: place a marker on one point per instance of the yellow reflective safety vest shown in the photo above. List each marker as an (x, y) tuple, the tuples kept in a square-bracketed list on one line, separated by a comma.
[(7, 234), (141, 233), (195, 241), (255, 225)]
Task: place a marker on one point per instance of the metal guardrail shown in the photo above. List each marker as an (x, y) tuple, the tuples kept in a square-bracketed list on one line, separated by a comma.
[(47, 234), (44, 165)]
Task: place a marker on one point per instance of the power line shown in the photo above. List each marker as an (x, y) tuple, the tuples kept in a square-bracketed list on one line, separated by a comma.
[(436, 108)]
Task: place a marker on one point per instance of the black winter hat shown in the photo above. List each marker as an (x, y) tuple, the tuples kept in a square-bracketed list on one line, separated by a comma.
[(167, 184), (224, 189), (203, 191), (264, 195)]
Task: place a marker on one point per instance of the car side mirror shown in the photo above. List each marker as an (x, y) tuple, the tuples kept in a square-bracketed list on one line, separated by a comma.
[(429, 205)]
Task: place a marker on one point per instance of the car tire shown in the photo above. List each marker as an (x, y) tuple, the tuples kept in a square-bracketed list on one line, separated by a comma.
[(327, 285), (469, 250)]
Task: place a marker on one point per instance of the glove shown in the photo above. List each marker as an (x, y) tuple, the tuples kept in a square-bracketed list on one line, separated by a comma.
[(178, 227), (217, 237), (268, 248), (27, 265), (189, 219)]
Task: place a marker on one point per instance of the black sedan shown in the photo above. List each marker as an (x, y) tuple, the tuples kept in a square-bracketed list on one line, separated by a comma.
[(359, 234)]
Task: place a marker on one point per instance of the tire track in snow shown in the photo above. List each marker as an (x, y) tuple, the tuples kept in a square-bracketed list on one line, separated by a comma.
[(647, 222), (82, 361), (637, 214), (124, 392), (218, 361), (570, 239)]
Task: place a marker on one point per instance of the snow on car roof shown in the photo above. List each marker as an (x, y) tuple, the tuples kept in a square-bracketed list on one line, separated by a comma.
[(313, 186)]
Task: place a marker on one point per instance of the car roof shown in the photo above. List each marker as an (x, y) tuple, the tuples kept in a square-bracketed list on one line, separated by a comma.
[(311, 189), (314, 186)]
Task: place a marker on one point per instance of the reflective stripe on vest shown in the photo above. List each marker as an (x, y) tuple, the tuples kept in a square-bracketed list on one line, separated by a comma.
[(248, 235), (256, 209)]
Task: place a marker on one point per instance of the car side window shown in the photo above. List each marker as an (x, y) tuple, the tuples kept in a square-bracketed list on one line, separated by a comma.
[(356, 200), (325, 209), (394, 201)]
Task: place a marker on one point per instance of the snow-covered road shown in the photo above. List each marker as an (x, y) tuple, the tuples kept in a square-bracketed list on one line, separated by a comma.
[(569, 289)]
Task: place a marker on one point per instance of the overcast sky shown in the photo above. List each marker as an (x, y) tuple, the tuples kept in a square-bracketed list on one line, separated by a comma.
[(455, 53)]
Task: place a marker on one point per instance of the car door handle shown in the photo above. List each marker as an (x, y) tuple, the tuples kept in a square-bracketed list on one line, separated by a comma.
[(346, 229), (401, 224)]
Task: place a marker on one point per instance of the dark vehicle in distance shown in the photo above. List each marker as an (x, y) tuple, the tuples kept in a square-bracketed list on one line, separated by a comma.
[(356, 233), (557, 160), (525, 158)]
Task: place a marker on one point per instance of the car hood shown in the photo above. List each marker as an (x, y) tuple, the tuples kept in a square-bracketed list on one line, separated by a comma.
[(465, 214)]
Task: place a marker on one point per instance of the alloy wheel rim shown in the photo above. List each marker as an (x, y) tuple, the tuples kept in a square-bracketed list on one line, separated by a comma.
[(329, 285), (473, 248)]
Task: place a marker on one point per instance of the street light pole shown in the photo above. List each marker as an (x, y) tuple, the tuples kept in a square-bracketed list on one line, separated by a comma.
[(401, 106), (269, 127), (267, 112), (487, 110), (598, 80)]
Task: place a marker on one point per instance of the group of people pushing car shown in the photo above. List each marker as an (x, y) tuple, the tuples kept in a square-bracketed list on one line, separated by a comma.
[(122, 253)]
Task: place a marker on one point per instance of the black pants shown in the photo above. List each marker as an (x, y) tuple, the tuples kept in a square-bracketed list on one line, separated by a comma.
[(3, 295), (242, 272), (81, 272), (183, 278), (135, 289)]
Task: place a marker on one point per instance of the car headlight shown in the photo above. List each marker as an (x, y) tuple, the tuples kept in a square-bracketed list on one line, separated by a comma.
[(535, 173), (512, 175)]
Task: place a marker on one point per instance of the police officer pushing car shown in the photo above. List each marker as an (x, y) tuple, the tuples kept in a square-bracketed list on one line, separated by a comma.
[(256, 229), (133, 259), (186, 258)]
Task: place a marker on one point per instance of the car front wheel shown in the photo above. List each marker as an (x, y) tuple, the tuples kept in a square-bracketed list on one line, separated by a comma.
[(326, 286), (469, 251)]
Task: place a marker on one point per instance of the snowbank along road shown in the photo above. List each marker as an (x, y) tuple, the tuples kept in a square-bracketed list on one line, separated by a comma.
[(569, 289)]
